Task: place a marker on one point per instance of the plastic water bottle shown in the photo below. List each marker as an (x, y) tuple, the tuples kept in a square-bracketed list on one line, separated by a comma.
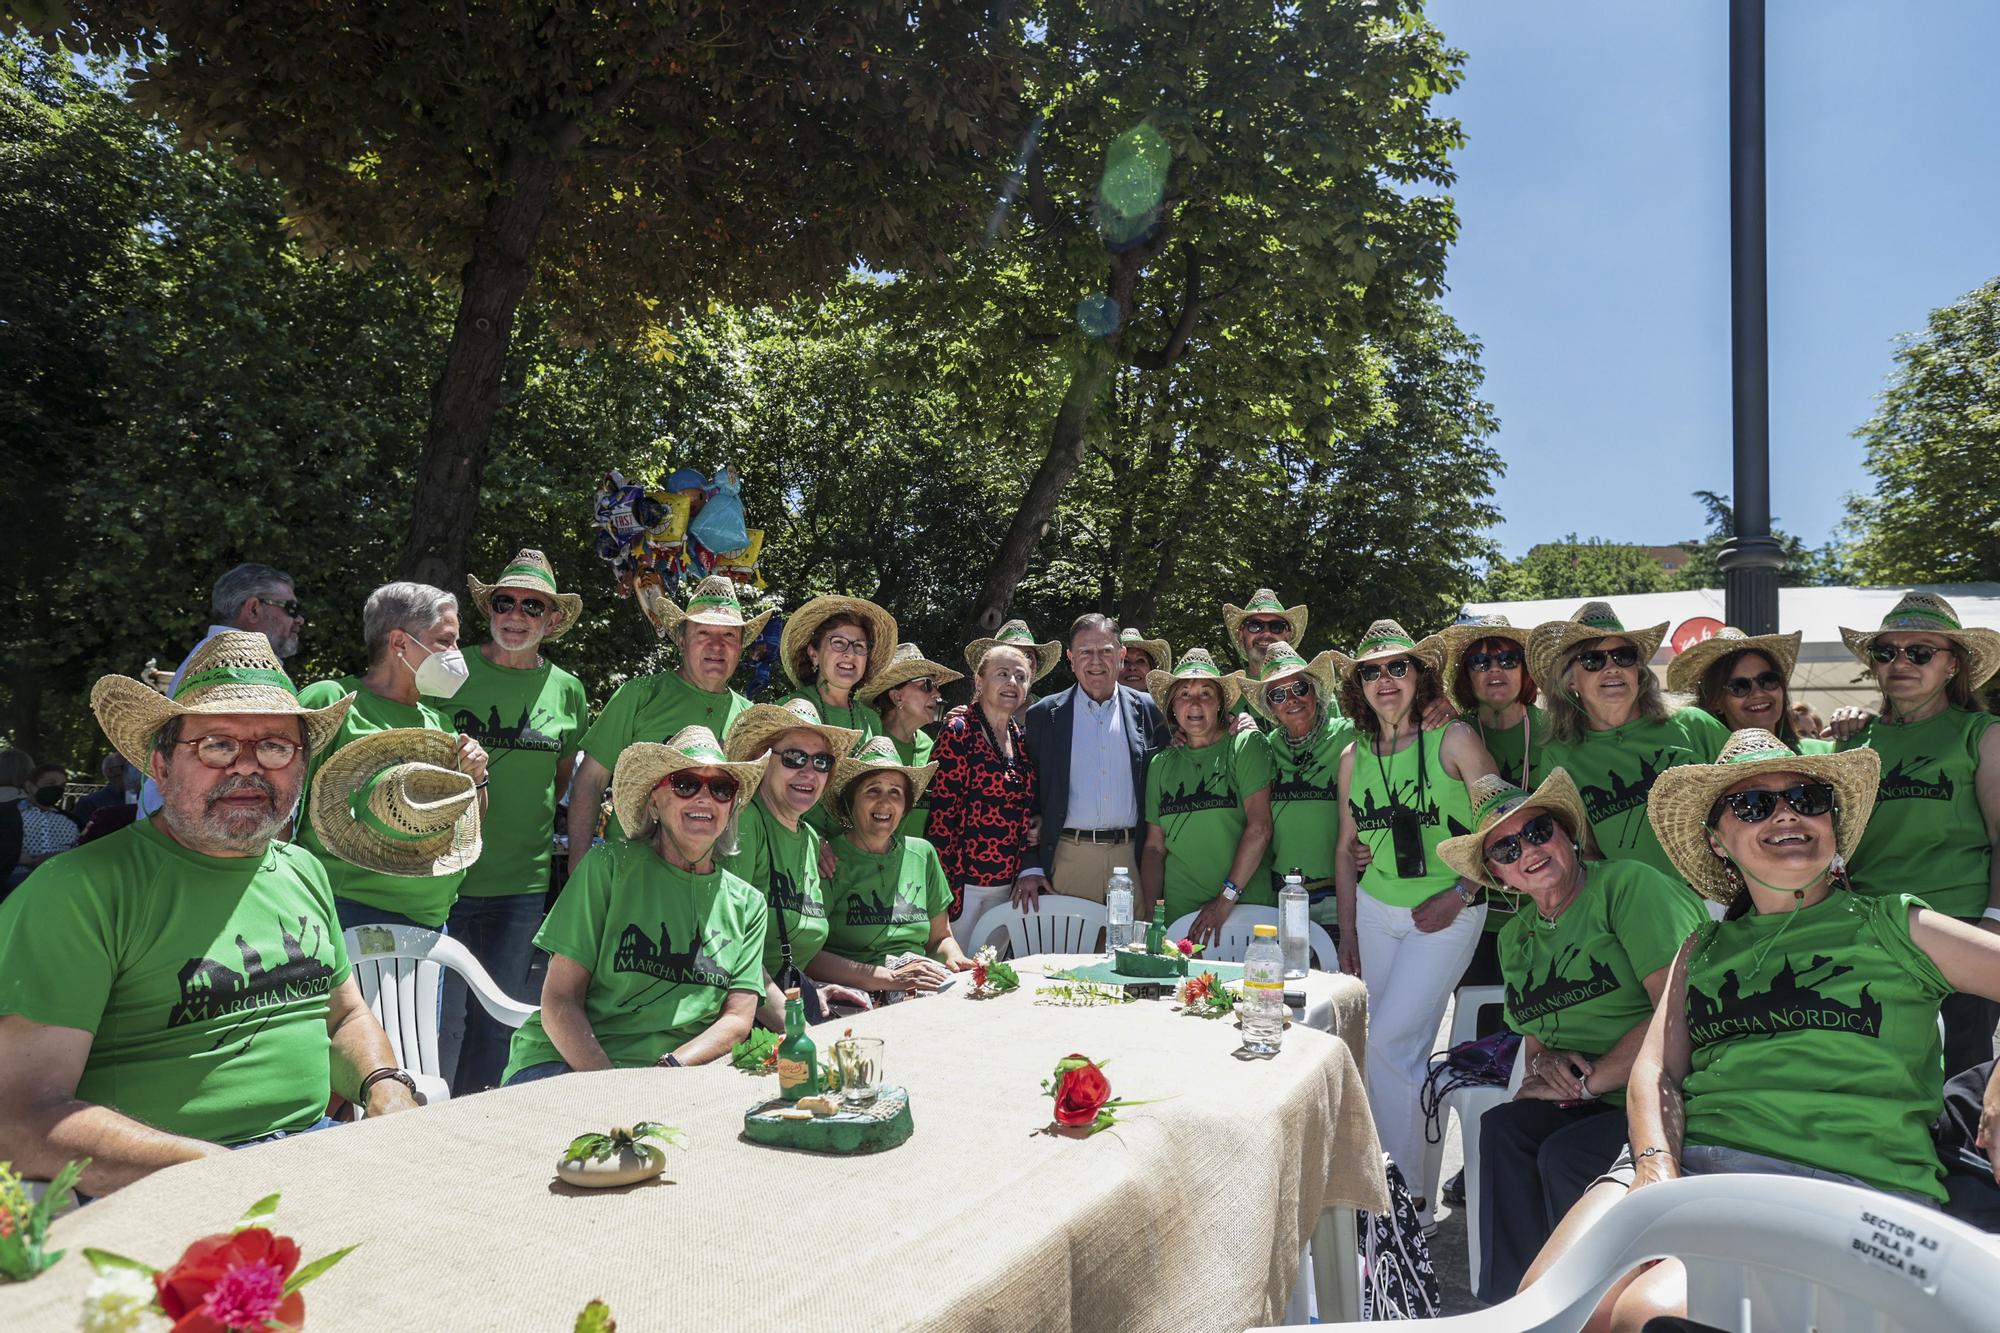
[(1293, 919), (1117, 911), (1264, 992)]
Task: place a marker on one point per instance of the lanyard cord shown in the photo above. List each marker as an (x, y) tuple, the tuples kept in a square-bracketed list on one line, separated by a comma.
[(1382, 769)]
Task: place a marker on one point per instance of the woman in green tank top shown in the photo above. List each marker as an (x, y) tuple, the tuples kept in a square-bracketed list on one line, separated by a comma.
[(1798, 1035), (1407, 925), (1744, 681)]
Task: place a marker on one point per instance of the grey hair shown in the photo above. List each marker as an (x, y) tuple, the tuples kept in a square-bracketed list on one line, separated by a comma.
[(239, 585), (16, 767), (409, 607)]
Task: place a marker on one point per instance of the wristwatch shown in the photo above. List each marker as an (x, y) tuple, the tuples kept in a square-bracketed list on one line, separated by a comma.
[(394, 1076), (1230, 890)]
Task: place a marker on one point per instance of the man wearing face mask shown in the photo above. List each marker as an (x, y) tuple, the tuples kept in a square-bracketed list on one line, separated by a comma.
[(413, 664)]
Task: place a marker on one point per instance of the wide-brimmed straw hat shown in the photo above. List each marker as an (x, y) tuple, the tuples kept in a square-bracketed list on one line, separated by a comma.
[(1387, 638), (877, 756), (643, 764), (1158, 654), (530, 571), (1684, 673), (1195, 664), (1493, 799), (1682, 797), (803, 627), (1551, 641), (906, 664), (234, 672), (1016, 634), (1264, 602), (1456, 639), (1284, 660), (396, 803), (754, 729), (714, 603), (1928, 613)]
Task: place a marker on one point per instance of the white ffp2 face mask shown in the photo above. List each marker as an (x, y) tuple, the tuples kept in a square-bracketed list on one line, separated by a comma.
[(442, 673)]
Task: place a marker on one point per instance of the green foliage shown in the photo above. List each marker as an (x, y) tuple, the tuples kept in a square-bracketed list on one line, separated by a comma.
[(603, 1147), (595, 1318), (1573, 568), (24, 1226), (1934, 516), (756, 1053)]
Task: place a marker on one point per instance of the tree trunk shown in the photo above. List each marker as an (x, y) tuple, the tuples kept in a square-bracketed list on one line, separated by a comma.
[(472, 383)]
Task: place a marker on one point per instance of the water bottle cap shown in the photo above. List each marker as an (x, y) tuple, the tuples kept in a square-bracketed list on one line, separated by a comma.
[(1264, 932), (1120, 870), (1295, 879)]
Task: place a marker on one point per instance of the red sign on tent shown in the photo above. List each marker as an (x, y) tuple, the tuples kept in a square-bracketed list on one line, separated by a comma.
[(1692, 632)]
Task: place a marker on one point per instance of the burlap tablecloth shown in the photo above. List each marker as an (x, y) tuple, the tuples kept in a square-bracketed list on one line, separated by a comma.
[(1189, 1214)]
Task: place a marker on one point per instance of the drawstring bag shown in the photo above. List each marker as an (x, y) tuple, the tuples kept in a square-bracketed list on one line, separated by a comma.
[(1397, 1281), (1486, 1063)]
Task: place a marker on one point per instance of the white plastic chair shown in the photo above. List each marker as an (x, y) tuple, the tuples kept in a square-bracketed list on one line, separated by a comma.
[(1059, 924), (400, 970), (1769, 1253), (1233, 940)]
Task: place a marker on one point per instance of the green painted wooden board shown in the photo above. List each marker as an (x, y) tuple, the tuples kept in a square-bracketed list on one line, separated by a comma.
[(1106, 974), (882, 1124)]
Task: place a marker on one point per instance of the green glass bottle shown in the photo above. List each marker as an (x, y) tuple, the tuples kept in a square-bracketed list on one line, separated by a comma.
[(798, 1058), (1156, 933)]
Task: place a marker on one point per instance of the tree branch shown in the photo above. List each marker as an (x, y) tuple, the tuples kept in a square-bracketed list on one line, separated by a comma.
[(1040, 207), (1162, 357)]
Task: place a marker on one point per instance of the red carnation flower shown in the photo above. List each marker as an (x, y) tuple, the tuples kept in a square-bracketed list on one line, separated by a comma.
[(229, 1282)]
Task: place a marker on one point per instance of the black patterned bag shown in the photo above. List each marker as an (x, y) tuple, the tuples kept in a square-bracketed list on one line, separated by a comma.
[(1396, 1277)]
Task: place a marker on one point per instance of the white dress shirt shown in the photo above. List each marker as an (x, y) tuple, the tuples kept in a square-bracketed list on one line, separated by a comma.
[(1100, 767)]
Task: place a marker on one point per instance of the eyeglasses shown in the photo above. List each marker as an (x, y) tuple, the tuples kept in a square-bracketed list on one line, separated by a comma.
[(1805, 798), (1507, 659), (1593, 659), (1372, 671), (924, 684), (687, 785), (221, 751), (1534, 833), (1740, 686), (1259, 625), (1278, 694), (821, 762), (1920, 654), (845, 647), (532, 607), (290, 608)]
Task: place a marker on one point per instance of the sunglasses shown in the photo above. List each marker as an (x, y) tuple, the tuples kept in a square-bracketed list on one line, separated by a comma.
[(272, 752), (1506, 660), (1920, 654), (290, 608), (1259, 625), (821, 763), (1741, 686), (687, 786), (1593, 659), (532, 607), (1278, 694), (924, 684), (1372, 672), (1806, 798), (1534, 833)]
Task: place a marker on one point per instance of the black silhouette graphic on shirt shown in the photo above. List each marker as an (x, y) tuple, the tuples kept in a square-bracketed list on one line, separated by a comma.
[(692, 966), (1625, 794), (874, 910), (1306, 776), (211, 989), (1901, 783), (491, 734), (786, 896), (1796, 1001), (1203, 797), (1372, 817), (1555, 990)]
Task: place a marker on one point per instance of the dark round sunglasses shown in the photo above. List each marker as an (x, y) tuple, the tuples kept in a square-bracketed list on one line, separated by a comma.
[(1259, 625), (1277, 694), (1920, 654), (1373, 670), (1741, 686), (1806, 798), (1534, 833), (686, 785), (1593, 659), (532, 607), (1507, 659), (821, 763)]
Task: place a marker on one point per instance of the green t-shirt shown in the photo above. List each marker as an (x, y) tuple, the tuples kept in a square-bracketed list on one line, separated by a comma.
[(879, 904), (1926, 835), (855, 716), (1579, 983), (654, 708), (783, 865), (1803, 745), (1378, 784), (621, 915), (1815, 1038), (1197, 798), (1305, 807), (203, 980), (1507, 745), (1614, 772), (527, 720), (915, 752), (425, 899)]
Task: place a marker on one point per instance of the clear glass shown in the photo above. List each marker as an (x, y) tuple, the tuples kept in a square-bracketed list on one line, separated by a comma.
[(860, 1060)]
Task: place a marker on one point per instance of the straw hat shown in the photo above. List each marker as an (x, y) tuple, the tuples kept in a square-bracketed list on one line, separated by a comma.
[(878, 755), (530, 571), (714, 603), (394, 802), (1682, 797), (1284, 660), (906, 664), (1195, 664), (1264, 602), (1456, 639), (1493, 799), (1684, 673), (1015, 634), (234, 672), (1156, 650), (1931, 614), (642, 765), (1551, 641), (753, 730), (1387, 638), (803, 628)]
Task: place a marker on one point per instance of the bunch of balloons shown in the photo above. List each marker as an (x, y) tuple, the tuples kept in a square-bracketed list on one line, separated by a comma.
[(662, 537)]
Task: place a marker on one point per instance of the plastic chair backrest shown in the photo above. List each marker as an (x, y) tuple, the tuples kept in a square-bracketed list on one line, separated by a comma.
[(1233, 940), (1060, 924), (1466, 1003), (400, 970)]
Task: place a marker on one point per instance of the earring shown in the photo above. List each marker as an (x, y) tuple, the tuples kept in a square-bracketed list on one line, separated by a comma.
[(1730, 875)]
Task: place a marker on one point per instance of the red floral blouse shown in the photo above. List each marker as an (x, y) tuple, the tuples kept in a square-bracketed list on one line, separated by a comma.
[(980, 803)]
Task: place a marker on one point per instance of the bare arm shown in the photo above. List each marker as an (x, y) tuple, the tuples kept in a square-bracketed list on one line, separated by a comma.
[(1654, 1113), (1465, 755), (564, 1017), (1968, 956), (586, 798), (1256, 839), (730, 1026), (359, 1048), (1560, 1078), (1152, 870), (944, 947), (1346, 874), (43, 1125), (565, 768), (837, 971)]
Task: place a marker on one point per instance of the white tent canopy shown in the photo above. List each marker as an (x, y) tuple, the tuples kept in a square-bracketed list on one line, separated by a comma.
[(1827, 675)]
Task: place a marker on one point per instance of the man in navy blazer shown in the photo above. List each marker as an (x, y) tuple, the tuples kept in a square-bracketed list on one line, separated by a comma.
[(1090, 744)]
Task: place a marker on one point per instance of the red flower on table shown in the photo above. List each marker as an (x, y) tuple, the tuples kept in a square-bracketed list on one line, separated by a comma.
[(978, 974), (1081, 1090), (229, 1282), (1186, 946)]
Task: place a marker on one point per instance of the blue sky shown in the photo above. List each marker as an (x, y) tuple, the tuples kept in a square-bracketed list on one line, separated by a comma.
[(1593, 260)]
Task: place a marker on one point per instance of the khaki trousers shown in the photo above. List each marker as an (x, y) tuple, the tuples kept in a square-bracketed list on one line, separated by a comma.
[(1082, 868)]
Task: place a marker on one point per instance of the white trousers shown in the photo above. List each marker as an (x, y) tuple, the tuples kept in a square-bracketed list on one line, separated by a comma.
[(1410, 977), (972, 905)]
